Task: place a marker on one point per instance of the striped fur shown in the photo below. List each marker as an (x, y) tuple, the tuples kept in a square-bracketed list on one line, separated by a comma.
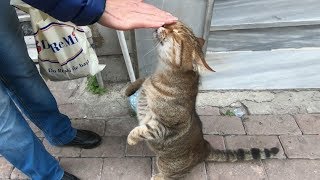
[(241, 154), (168, 121)]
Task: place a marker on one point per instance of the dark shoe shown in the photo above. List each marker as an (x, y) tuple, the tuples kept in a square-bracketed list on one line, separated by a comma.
[(68, 176), (85, 139)]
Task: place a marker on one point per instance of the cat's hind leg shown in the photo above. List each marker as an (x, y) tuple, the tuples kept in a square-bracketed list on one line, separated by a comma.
[(152, 130)]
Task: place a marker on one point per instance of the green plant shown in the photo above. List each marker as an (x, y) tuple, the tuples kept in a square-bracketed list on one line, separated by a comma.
[(229, 113), (93, 86)]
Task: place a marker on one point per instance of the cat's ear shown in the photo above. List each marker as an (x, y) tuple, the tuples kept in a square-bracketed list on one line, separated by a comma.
[(200, 61), (201, 41)]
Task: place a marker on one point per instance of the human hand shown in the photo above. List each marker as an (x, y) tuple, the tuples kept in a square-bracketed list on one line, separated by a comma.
[(133, 14)]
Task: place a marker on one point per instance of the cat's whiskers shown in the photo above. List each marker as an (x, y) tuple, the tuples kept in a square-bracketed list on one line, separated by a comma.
[(158, 42), (151, 49), (148, 39), (145, 69)]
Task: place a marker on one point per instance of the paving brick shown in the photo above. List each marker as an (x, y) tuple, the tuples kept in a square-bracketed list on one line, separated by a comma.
[(17, 174), (207, 111), (292, 169), (216, 142), (222, 125), (61, 151), (110, 147), (126, 168), (62, 90), (97, 126), (120, 126), (309, 123), (141, 149), (5, 168), (114, 108), (250, 170), (303, 146), (101, 110), (154, 166), (75, 110), (35, 129), (83, 168), (61, 86), (247, 142), (62, 96), (197, 173), (271, 125)]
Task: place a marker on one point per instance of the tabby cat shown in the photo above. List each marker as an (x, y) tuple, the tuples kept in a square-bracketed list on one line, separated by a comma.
[(166, 108)]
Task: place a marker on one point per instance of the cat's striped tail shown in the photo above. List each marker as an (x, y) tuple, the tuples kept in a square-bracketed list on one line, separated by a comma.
[(241, 154), (133, 87)]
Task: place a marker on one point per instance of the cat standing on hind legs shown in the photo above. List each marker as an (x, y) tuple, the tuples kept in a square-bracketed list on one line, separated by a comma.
[(168, 121)]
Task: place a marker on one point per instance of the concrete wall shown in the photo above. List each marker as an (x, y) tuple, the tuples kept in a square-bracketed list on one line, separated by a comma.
[(109, 52)]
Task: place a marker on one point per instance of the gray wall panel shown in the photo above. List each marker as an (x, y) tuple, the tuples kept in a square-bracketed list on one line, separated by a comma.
[(106, 40), (277, 69), (235, 14), (264, 39)]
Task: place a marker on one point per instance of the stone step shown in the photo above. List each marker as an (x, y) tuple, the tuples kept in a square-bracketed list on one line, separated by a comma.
[(32, 50), (25, 23), (22, 16), (33, 54)]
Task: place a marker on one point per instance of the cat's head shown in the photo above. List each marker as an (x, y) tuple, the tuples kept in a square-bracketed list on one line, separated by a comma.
[(180, 49)]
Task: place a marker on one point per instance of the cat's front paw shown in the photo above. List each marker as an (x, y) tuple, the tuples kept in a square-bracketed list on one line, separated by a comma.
[(131, 139)]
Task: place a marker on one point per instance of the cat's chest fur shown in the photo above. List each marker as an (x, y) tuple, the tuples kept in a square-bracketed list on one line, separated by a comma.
[(171, 100)]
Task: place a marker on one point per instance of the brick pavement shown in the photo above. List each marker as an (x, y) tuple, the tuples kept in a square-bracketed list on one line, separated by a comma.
[(297, 136), (299, 155)]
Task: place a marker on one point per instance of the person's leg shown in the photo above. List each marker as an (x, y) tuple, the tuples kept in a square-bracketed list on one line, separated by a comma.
[(28, 90), (20, 146)]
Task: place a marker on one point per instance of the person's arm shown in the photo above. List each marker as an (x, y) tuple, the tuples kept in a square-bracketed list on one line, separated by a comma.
[(132, 14), (116, 14), (80, 12)]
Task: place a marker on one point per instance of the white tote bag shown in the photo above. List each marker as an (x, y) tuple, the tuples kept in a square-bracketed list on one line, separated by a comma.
[(64, 52)]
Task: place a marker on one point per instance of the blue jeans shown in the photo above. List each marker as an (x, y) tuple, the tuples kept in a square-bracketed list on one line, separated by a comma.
[(23, 90)]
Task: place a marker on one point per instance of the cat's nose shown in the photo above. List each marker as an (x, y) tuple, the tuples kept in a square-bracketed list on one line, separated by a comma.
[(160, 29), (160, 33)]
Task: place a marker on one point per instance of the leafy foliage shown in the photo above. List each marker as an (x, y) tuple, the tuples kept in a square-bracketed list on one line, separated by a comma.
[(93, 86), (229, 113)]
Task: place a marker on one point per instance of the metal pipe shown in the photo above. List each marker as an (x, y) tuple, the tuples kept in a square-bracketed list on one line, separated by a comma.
[(99, 79), (207, 23), (126, 56)]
